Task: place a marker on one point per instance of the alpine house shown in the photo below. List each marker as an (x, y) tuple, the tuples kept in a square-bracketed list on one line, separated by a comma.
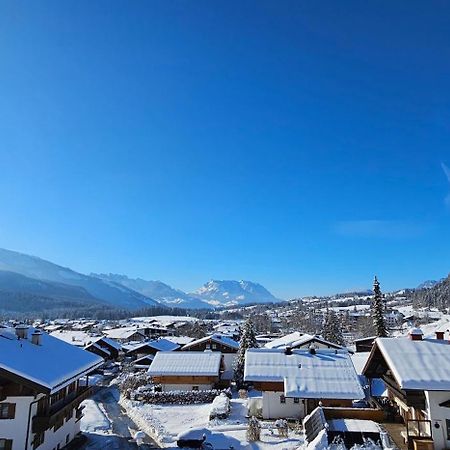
[(40, 389), (293, 382), (416, 372)]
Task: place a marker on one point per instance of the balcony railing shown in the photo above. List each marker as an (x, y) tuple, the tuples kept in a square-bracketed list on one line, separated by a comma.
[(44, 421)]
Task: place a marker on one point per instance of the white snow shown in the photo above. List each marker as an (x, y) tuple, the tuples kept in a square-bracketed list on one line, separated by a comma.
[(325, 374), (165, 422), (53, 364), (354, 425), (297, 339), (186, 363), (421, 365), (94, 419)]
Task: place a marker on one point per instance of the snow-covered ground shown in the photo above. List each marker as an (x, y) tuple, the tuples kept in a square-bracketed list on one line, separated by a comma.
[(165, 422), (94, 419)]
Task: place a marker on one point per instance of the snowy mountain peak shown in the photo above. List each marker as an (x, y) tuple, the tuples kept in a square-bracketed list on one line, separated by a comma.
[(231, 292)]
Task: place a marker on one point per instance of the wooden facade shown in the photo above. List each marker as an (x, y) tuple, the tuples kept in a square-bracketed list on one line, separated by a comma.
[(209, 345)]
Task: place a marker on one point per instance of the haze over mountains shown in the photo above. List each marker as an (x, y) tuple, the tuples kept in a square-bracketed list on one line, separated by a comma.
[(29, 283)]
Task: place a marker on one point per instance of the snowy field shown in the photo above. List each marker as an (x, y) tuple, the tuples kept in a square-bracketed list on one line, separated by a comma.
[(165, 422)]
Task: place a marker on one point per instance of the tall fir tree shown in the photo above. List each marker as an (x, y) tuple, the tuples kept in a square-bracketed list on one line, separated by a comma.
[(378, 310), (332, 331), (248, 340)]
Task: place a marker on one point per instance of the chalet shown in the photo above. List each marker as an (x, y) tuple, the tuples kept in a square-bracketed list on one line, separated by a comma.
[(150, 348), (104, 347), (143, 353), (216, 343), (298, 340), (293, 382), (125, 334), (186, 371), (416, 373), (40, 390)]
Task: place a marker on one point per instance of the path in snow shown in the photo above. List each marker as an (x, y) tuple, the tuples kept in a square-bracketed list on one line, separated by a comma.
[(106, 425)]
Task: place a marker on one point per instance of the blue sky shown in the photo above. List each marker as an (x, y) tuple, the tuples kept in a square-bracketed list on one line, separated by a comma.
[(300, 144)]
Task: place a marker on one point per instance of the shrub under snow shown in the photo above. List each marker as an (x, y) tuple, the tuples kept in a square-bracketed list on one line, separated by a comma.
[(220, 407), (180, 397)]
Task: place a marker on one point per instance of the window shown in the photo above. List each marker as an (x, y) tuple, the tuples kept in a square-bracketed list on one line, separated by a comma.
[(282, 399), (296, 400), (214, 346), (6, 444), (195, 388), (7, 411)]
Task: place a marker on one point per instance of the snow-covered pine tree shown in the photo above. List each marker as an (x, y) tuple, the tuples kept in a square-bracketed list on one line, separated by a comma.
[(248, 340), (378, 310), (332, 328)]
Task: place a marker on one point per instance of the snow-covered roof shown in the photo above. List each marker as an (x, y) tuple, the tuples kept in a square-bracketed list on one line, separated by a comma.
[(417, 365), (324, 374), (52, 365), (297, 339), (216, 337), (98, 347), (180, 340), (74, 337), (186, 363), (354, 425), (110, 342), (122, 333), (161, 344)]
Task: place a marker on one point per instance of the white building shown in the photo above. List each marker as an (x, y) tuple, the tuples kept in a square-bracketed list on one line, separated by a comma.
[(293, 382), (416, 372), (40, 393)]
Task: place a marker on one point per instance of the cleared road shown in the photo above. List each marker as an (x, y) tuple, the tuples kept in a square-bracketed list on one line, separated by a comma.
[(120, 425)]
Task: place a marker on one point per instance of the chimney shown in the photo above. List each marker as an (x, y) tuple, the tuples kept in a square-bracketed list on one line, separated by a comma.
[(36, 337), (440, 335), (288, 350), (415, 334), (21, 331)]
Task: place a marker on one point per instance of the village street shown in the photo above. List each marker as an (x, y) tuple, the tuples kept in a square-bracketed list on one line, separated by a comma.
[(106, 425)]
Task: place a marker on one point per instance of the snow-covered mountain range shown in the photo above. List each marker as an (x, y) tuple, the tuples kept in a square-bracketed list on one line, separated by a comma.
[(29, 283), (230, 292), (214, 293), (157, 290)]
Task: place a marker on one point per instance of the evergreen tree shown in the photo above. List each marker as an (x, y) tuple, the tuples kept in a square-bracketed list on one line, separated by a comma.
[(377, 310), (332, 329), (248, 340)]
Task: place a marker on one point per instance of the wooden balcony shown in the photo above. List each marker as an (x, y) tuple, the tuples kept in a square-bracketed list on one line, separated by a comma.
[(44, 421)]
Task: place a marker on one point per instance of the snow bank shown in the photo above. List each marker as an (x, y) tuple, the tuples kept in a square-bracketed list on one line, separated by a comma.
[(94, 419), (220, 407)]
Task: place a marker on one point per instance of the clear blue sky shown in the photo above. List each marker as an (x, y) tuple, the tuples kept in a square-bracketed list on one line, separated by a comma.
[(301, 144)]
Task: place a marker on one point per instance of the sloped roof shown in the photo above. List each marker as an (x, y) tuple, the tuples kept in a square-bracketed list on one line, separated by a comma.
[(297, 339), (216, 337), (325, 374), (416, 365), (122, 333), (52, 365), (186, 363), (158, 344)]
